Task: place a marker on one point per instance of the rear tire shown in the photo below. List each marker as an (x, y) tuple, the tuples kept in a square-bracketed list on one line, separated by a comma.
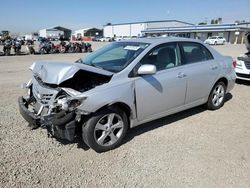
[(105, 129), (216, 98)]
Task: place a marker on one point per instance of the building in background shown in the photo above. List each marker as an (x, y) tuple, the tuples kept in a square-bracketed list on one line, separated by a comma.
[(233, 33), (135, 29), (82, 34), (55, 32)]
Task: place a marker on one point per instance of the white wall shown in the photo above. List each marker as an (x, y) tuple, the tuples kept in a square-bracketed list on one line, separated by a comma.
[(50, 33), (43, 33), (80, 31), (123, 30), (137, 28), (54, 33), (108, 31)]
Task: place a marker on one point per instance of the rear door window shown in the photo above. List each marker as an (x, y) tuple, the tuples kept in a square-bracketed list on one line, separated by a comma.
[(194, 52)]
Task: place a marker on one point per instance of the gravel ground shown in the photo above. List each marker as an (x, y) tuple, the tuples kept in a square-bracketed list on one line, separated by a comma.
[(194, 148)]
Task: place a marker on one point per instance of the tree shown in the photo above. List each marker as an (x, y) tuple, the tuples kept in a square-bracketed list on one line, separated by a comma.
[(202, 23), (212, 21)]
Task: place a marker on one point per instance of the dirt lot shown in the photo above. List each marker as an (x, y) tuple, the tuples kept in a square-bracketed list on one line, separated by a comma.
[(195, 148)]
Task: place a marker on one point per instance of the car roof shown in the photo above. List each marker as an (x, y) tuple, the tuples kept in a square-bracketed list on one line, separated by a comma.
[(159, 40)]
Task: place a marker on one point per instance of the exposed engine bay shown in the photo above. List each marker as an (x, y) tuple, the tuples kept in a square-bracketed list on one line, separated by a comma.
[(84, 81)]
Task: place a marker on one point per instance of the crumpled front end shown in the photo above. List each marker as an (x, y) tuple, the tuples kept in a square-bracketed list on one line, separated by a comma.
[(61, 125), (49, 108), (54, 94)]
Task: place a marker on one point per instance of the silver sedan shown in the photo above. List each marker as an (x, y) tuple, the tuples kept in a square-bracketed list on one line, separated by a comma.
[(122, 85)]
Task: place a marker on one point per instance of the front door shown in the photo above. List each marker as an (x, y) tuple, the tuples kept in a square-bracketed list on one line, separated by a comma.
[(165, 90)]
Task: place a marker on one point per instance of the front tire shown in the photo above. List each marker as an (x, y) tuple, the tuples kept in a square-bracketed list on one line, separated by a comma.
[(216, 98), (105, 129)]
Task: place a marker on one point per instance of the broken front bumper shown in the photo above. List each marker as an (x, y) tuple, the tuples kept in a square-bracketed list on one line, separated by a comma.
[(60, 125)]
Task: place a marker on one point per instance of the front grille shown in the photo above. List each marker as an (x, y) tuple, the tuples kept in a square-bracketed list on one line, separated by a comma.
[(42, 98), (243, 75), (45, 98), (247, 64), (43, 94)]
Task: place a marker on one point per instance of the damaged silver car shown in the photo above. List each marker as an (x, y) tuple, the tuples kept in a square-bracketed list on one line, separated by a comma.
[(122, 85)]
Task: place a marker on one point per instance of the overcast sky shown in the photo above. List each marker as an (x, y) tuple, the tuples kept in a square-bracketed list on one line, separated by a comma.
[(33, 15)]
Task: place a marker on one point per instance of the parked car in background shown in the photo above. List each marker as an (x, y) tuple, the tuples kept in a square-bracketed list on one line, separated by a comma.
[(242, 68), (97, 38), (118, 38), (122, 85), (215, 40), (123, 38), (106, 39)]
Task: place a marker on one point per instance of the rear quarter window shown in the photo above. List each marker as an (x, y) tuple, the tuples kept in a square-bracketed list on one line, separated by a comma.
[(195, 52)]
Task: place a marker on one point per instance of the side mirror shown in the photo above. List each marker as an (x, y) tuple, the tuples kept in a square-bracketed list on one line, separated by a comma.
[(146, 69)]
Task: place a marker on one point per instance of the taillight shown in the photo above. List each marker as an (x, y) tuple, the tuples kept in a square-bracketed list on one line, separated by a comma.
[(234, 63)]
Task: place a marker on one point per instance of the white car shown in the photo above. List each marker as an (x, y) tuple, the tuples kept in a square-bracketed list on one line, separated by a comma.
[(105, 39), (122, 38), (215, 40), (242, 68), (118, 38)]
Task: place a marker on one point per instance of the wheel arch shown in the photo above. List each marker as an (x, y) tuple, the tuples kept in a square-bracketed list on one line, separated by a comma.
[(222, 79), (122, 106)]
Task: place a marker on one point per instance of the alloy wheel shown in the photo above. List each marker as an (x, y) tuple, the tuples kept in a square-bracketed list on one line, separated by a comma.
[(108, 129), (218, 95)]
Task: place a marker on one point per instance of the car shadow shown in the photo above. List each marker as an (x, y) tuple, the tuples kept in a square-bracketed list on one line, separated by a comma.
[(243, 82), (165, 121), (77, 140), (146, 127)]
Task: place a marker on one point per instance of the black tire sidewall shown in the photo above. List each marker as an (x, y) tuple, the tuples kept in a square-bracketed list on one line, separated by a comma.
[(88, 129)]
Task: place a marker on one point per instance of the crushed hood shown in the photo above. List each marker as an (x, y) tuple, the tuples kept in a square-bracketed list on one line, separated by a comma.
[(58, 72), (247, 40)]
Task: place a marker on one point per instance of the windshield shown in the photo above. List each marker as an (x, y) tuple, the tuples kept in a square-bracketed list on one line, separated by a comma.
[(213, 37), (115, 56)]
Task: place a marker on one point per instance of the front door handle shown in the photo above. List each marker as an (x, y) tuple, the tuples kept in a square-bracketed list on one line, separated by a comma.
[(181, 75), (214, 67)]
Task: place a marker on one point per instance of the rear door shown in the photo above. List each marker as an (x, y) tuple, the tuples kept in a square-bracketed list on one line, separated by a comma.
[(201, 70)]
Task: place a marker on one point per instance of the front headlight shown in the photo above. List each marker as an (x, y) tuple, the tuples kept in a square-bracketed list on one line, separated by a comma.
[(73, 104), (239, 63), (68, 104)]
